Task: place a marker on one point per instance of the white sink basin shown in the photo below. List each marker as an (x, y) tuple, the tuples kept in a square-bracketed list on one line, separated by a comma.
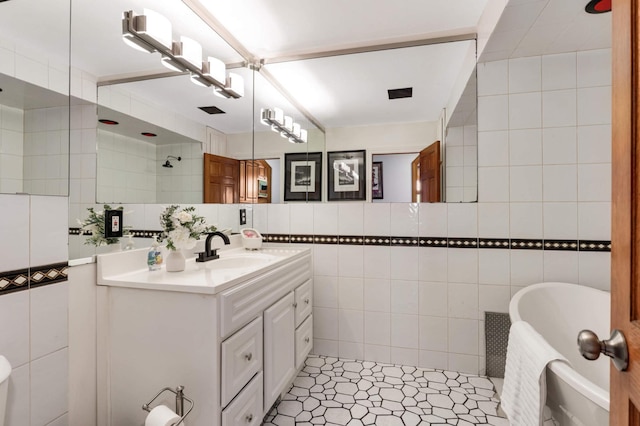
[(247, 260)]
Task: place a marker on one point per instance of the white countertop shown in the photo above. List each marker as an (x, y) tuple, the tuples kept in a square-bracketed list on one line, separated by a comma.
[(129, 269)]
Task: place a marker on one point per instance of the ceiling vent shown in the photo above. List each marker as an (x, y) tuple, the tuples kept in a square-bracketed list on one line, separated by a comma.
[(406, 92), (212, 110)]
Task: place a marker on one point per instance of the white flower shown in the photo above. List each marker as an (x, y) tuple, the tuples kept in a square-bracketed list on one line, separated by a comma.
[(181, 239), (184, 217)]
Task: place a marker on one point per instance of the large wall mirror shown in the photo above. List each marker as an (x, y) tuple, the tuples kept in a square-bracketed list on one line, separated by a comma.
[(34, 97), (385, 105)]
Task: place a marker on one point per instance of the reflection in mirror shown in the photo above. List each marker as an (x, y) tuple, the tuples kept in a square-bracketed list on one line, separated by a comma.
[(374, 112), (133, 164), (130, 165), (34, 98), (462, 147)]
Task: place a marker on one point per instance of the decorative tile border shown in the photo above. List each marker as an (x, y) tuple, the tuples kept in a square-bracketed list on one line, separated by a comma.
[(463, 242), (591, 245), (402, 241), (568, 245), (36, 276), (527, 244), (49, 274), (377, 241), (405, 241), (12, 281), (494, 243), (432, 242)]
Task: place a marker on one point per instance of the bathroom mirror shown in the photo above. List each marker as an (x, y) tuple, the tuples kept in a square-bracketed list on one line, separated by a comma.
[(34, 97), (399, 129), (461, 147)]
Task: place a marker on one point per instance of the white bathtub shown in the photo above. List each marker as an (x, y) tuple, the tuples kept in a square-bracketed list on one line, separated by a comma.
[(558, 311)]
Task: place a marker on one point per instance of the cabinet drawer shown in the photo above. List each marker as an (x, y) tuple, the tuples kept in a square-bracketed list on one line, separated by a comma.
[(241, 303), (304, 301), (304, 341), (246, 408), (241, 359)]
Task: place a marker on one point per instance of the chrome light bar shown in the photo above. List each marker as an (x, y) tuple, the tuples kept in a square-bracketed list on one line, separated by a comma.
[(135, 34), (284, 125)]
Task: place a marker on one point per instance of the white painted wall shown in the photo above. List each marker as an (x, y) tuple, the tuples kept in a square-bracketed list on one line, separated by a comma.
[(396, 177)]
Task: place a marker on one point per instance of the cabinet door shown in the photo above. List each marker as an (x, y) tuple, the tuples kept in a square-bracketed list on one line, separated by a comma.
[(304, 304), (279, 348)]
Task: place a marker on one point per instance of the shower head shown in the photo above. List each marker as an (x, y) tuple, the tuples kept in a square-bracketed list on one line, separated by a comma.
[(168, 163)]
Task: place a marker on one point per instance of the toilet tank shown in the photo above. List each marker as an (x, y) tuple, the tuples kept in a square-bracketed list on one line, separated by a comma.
[(5, 371)]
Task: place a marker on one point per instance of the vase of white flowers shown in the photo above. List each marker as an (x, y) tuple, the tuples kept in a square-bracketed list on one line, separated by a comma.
[(181, 228), (95, 225)]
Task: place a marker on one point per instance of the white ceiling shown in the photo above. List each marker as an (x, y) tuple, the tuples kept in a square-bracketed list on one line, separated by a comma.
[(283, 27), (339, 91), (539, 27)]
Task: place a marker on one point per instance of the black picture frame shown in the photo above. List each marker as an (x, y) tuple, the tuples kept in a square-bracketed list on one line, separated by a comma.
[(346, 175), (376, 181), (303, 176)]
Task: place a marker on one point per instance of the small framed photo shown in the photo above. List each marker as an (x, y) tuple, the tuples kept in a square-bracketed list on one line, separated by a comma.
[(303, 176), (376, 180), (346, 175)]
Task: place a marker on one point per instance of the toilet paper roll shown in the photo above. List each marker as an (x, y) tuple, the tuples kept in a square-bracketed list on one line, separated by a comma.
[(162, 416)]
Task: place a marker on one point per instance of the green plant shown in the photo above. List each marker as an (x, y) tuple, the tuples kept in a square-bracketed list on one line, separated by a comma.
[(95, 224)]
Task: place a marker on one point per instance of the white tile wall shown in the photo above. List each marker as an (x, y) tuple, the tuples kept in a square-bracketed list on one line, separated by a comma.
[(49, 324)]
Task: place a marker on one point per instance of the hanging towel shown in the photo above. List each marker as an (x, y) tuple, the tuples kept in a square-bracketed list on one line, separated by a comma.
[(524, 391)]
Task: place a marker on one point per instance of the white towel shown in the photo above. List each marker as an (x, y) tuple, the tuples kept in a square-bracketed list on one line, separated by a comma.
[(524, 391)]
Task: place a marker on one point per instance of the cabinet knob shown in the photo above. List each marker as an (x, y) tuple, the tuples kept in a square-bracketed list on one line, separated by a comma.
[(306, 300), (249, 418), (295, 304), (248, 356), (306, 340)]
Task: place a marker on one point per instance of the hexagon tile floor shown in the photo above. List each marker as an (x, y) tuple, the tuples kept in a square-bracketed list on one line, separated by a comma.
[(332, 391)]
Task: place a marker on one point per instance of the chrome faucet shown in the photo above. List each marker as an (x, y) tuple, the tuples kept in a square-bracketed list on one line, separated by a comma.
[(209, 253)]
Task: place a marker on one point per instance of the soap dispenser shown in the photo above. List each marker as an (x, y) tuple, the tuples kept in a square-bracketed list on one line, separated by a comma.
[(154, 256), (130, 244)]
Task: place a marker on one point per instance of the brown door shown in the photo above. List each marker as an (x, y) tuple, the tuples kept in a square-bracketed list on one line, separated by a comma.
[(625, 230), (429, 173), (221, 179)]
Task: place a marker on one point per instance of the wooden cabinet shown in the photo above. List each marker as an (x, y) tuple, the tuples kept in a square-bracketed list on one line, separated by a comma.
[(255, 181)]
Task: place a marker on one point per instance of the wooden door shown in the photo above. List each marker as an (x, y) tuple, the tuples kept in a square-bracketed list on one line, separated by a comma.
[(625, 257), (430, 174), (221, 179)]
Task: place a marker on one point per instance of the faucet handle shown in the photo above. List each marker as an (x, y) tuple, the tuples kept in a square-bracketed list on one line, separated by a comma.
[(203, 256)]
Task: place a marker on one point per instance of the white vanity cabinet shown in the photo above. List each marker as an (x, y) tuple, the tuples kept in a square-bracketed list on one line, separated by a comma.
[(234, 348), (287, 340)]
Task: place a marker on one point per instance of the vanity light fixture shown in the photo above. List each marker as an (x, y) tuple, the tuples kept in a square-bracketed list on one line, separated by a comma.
[(283, 124), (151, 32)]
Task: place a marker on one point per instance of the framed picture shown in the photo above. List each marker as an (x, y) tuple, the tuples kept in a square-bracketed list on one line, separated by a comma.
[(346, 175), (376, 180), (303, 176)]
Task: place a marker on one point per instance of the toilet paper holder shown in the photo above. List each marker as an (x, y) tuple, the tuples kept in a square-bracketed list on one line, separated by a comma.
[(180, 398)]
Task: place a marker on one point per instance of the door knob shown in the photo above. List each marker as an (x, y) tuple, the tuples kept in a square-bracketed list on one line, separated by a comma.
[(615, 348)]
